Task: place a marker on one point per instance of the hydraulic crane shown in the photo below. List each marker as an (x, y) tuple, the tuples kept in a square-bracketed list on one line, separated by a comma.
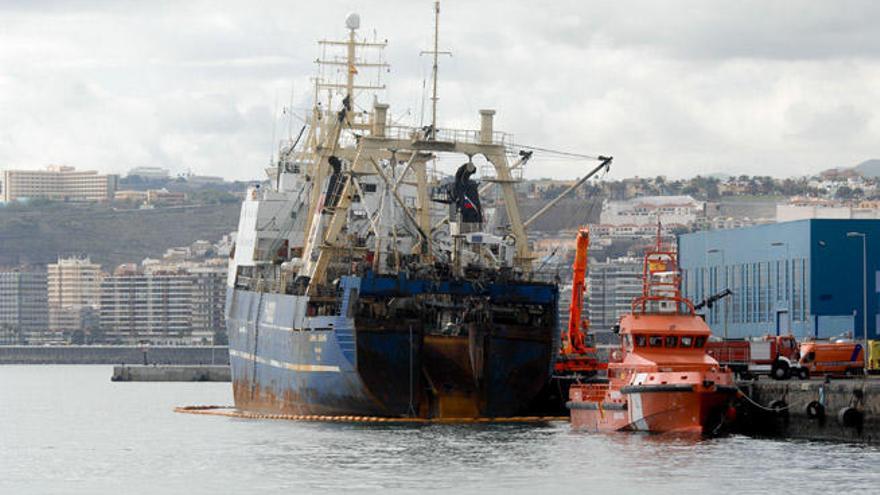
[(577, 354)]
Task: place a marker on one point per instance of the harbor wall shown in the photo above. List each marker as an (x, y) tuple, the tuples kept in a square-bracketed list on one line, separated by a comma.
[(838, 410), (171, 373), (86, 354)]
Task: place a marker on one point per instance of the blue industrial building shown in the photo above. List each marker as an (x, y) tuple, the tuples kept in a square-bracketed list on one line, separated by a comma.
[(804, 276)]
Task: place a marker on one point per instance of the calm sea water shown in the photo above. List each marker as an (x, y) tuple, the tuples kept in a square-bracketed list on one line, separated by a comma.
[(68, 429)]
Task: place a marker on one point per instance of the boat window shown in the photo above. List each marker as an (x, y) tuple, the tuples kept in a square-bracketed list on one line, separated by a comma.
[(641, 341), (699, 341), (656, 341), (810, 357), (671, 341), (627, 341), (686, 341)]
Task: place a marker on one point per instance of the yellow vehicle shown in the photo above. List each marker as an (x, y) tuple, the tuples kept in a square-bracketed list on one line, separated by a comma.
[(874, 356)]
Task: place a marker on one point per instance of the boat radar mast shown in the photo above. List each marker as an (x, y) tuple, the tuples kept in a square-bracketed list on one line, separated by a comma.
[(435, 53)]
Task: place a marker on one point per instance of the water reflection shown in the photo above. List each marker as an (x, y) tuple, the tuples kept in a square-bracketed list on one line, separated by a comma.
[(108, 438)]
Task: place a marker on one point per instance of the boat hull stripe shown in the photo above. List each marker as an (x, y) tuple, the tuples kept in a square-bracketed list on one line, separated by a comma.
[(594, 406), (643, 389), (284, 365)]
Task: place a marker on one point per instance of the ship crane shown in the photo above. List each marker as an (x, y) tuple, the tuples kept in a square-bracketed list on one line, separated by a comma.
[(714, 298), (576, 356)]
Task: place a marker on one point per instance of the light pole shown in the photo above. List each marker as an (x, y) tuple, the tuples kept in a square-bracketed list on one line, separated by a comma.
[(864, 293), (726, 284), (788, 301)]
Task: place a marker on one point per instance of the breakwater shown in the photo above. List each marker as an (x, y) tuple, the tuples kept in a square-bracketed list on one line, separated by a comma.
[(91, 354), (171, 373)]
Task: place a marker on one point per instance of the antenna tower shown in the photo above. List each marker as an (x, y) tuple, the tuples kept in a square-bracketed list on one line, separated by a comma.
[(351, 61), (436, 53)]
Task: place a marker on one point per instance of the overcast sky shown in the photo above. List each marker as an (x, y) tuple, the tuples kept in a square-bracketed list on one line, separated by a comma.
[(673, 88)]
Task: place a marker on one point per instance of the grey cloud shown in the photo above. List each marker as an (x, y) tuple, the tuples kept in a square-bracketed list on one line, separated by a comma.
[(667, 87), (786, 30), (837, 125)]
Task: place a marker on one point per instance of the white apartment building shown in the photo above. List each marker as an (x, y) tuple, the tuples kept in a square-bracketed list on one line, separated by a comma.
[(808, 208), (167, 303), (60, 183), (683, 210), (157, 308), (74, 288)]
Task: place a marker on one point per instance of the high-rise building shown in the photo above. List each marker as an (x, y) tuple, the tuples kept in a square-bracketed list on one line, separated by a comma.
[(74, 287), (153, 307), (209, 303), (611, 286), (24, 316), (60, 183)]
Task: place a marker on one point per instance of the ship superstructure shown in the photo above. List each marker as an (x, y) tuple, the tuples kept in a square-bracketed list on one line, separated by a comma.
[(360, 284)]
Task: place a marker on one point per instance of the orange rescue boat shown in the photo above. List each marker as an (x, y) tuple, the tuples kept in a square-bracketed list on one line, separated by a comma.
[(662, 380)]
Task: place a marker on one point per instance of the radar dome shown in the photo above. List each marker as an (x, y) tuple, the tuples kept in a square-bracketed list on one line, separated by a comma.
[(353, 21)]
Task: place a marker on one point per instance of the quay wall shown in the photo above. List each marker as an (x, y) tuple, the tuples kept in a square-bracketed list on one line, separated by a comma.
[(837, 410), (171, 373), (86, 354)]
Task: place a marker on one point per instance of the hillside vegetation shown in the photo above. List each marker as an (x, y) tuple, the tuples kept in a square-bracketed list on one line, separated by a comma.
[(39, 233)]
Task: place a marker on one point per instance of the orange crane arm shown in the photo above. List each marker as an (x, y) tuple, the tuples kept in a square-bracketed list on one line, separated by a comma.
[(573, 339)]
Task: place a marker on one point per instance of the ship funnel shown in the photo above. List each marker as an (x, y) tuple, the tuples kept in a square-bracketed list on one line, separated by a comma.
[(380, 114), (486, 118)]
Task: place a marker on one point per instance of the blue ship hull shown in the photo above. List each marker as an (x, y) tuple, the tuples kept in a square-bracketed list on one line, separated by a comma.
[(302, 355)]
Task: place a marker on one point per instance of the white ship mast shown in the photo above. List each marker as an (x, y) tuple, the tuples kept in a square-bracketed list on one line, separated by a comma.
[(377, 153), (354, 194), (435, 53)]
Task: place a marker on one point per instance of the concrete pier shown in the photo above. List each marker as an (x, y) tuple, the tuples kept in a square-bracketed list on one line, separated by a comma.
[(113, 354), (171, 373), (838, 410)]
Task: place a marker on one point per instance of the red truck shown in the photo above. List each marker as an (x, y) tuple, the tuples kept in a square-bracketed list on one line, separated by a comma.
[(774, 355)]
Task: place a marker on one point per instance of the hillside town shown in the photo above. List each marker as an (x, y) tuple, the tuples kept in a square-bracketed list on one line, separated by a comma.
[(176, 297)]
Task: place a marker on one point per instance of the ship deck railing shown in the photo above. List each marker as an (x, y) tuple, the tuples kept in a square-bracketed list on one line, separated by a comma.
[(470, 136)]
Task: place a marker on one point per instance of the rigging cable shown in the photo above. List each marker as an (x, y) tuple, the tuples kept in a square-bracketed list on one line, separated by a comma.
[(555, 152)]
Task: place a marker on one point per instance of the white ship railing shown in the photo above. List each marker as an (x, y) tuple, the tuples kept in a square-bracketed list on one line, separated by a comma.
[(448, 135)]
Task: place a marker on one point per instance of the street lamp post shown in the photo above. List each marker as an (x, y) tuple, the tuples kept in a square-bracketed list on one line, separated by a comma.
[(864, 293), (726, 283)]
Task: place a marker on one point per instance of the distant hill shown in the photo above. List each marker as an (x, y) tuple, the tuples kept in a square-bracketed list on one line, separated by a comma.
[(569, 213), (38, 234), (869, 168)]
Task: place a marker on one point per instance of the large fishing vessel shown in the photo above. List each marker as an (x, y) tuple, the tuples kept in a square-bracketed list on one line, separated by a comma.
[(361, 284)]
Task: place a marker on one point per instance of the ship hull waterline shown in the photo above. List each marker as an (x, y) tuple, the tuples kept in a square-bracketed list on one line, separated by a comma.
[(683, 411)]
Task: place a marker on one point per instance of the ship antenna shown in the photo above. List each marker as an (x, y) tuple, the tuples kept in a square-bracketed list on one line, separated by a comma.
[(659, 234), (290, 112), (274, 125), (436, 53), (352, 22)]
